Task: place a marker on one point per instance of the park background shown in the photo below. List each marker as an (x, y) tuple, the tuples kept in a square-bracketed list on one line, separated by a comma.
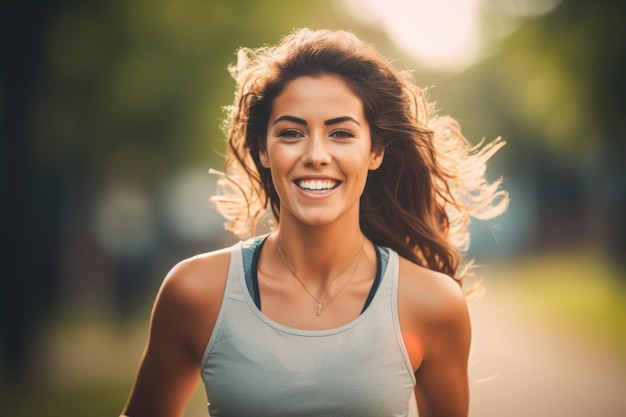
[(110, 115)]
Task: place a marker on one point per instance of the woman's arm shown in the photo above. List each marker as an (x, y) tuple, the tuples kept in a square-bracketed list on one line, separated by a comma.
[(182, 320), (442, 381), (436, 311)]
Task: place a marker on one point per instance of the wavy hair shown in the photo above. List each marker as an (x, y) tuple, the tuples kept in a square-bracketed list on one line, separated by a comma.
[(431, 182)]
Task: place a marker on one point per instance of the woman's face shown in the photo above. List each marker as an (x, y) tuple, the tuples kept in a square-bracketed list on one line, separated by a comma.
[(318, 148)]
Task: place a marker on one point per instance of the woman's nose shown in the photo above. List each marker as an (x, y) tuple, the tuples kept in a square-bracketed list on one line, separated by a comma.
[(316, 152)]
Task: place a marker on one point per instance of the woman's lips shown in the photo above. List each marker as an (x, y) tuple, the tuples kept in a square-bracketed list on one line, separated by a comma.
[(317, 185)]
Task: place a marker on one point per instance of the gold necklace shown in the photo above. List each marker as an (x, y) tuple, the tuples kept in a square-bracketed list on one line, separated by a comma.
[(320, 304)]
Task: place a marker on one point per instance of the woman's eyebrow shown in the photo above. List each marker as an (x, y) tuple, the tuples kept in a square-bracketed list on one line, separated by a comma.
[(290, 119), (326, 122), (341, 120)]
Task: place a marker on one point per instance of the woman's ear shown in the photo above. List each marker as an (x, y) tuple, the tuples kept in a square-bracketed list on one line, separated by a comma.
[(262, 147), (264, 158), (376, 159)]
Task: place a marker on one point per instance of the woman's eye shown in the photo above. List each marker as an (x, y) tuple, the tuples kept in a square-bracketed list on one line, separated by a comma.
[(342, 134), (289, 134)]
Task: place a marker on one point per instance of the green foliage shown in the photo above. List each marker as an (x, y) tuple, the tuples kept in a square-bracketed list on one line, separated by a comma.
[(149, 75), (97, 399)]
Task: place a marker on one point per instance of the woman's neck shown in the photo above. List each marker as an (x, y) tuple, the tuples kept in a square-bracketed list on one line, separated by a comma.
[(318, 253)]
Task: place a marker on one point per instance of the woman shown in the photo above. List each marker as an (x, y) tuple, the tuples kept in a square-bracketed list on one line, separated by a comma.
[(353, 302)]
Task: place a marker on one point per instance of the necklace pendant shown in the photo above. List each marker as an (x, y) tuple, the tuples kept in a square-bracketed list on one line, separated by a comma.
[(319, 308)]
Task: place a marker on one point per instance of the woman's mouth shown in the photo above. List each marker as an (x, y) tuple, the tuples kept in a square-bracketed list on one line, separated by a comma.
[(317, 185)]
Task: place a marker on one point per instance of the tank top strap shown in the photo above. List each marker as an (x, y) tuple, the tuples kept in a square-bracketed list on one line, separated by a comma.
[(250, 252)]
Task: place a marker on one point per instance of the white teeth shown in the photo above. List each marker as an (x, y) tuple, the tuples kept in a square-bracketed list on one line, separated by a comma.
[(317, 185)]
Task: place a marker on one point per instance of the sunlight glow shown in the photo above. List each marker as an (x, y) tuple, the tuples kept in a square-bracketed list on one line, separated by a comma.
[(447, 35)]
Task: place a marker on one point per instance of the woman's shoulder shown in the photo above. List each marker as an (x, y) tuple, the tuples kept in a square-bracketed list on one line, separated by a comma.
[(200, 265), (431, 296), (196, 284), (198, 273), (190, 299)]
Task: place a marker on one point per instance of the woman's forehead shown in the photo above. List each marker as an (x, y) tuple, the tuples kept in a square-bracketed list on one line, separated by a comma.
[(326, 97)]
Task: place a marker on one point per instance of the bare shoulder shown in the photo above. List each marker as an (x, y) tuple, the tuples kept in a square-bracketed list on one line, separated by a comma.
[(182, 322), (434, 320), (190, 299), (198, 276), (431, 297)]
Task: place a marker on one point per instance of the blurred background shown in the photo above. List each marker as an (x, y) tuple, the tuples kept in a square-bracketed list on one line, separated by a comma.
[(110, 115)]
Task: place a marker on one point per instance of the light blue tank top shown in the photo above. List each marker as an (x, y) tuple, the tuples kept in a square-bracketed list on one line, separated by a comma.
[(255, 367)]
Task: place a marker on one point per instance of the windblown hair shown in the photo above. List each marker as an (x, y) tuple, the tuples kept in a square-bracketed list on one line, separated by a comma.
[(431, 181)]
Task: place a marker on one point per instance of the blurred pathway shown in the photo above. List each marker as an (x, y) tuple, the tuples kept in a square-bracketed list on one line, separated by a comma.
[(538, 368)]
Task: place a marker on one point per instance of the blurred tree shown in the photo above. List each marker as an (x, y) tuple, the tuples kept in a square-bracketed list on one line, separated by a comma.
[(563, 79), (97, 95), (29, 209), (555, 91)]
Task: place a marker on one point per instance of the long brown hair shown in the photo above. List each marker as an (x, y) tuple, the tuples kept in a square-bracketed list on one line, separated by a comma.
[(431, 180)]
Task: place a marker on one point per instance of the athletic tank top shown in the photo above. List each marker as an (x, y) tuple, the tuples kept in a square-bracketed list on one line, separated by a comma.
[(255, 367)]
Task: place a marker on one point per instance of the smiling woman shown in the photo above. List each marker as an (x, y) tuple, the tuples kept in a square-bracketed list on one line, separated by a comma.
[(318, 150), (352, 304)]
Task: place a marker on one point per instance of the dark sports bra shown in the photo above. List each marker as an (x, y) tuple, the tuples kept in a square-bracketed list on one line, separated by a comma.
[(252, 250)]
